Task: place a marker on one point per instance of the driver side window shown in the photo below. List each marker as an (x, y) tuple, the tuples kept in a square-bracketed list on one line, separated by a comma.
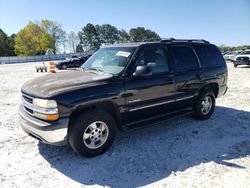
[(154, 57)]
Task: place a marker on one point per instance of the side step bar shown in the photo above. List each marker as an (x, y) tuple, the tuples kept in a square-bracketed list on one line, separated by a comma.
[(156, 120)]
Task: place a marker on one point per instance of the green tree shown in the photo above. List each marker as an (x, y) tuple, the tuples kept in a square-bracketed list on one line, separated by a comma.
[(245, 47), (11, 45), (123, 36), (56, 33), (223, 48), (141, 34), (79, 48), (108, 34), (3, 43), (32, 40), (89, 37)]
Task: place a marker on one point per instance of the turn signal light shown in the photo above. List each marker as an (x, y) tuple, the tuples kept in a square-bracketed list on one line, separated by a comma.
[(48, 117)]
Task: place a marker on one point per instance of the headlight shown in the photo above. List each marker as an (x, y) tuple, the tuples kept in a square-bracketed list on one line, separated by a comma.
[(45, 109), (43, 103)]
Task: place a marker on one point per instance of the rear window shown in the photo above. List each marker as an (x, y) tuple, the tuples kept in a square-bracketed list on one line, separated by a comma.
[(209, 55), (184, 58)]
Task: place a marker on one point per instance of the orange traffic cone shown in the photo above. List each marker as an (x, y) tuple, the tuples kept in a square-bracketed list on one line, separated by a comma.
[(52, 67)]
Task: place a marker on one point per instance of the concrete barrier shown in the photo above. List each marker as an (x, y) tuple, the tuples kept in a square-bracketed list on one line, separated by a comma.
[(25, 59)]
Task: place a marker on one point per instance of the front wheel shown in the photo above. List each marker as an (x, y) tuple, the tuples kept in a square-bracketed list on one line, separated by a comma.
[(92, 133), (204, 106)]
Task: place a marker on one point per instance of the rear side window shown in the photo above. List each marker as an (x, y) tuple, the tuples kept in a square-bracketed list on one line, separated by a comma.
[(209, 55), (184, 58)]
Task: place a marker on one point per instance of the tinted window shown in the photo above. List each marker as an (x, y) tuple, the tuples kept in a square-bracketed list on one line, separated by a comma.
[(184, 58), (154, 57), (245, 52), (209, 55)]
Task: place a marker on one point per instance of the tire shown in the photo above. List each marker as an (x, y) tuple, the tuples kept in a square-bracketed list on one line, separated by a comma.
[(235, 65), (37, 70), (204, 106), (82, 126), (64, 67)]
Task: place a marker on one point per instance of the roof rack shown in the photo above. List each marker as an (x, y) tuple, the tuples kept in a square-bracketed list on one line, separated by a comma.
[(149, 40), (183, 40)]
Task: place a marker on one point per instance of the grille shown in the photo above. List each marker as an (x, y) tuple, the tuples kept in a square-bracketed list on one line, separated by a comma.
[(27, 101), (242, 58)]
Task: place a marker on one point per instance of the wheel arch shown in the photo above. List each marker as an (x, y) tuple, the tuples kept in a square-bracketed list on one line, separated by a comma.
[(211, 86), (108, 106)]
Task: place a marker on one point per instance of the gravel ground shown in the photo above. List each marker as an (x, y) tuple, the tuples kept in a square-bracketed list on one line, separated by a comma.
[(181, 152)]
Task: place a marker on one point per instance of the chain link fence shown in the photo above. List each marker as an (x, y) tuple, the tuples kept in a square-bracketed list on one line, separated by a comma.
[(24, 59)]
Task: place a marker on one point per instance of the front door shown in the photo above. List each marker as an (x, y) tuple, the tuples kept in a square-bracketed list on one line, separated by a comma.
[(152, 95)]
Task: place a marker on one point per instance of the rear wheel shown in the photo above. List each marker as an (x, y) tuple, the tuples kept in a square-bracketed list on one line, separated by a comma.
[(204, 106), (92, 133)]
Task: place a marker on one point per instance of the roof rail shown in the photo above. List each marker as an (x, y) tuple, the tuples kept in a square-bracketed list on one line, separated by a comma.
[(184, 40), (149, 40)]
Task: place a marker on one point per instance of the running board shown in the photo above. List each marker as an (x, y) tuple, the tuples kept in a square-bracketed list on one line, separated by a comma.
[(156, 119)]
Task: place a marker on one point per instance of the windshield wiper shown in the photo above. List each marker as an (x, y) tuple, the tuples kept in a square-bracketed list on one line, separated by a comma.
[(96, 69)]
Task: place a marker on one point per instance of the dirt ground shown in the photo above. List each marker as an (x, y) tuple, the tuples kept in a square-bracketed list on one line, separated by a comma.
[(181, 152)]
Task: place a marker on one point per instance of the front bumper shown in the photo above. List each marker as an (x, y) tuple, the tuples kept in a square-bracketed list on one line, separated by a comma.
[(54, 133), (241, 62), (222, 90)]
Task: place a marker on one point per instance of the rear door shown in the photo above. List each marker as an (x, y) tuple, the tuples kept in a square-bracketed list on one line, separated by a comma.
[(188, 73)]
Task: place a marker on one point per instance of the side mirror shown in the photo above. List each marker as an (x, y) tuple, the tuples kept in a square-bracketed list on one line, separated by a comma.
[(142, 71)]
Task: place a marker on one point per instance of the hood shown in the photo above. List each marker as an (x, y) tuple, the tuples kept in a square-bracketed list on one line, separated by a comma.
[(52, 84), (243, 55)]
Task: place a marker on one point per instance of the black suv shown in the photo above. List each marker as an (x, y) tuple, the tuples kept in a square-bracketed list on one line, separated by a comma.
[(125, 86)]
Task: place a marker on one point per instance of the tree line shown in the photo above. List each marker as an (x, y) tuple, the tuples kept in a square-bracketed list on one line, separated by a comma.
[(6, 44), (48, 37), (224, 48)]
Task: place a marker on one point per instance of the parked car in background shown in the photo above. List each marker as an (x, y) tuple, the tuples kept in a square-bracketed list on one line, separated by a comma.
[(71, 63), (230, 55), (242, 59)]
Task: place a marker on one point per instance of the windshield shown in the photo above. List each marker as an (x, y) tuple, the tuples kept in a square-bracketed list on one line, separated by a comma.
[(245, 52), (109, 60)]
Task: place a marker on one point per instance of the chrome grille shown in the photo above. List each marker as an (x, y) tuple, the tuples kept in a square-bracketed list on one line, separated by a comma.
[(29, 108), (27, 98), (27, 102)]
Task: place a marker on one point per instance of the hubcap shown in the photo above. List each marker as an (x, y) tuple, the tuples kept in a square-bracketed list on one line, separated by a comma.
[(95, 135), (206, 105)]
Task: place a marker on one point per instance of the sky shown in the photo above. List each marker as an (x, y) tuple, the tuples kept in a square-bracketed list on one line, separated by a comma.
[(218, 21)]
